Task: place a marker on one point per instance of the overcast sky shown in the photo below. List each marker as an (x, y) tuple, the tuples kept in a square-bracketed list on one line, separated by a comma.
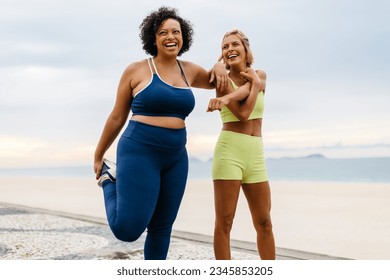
[(327, 62)]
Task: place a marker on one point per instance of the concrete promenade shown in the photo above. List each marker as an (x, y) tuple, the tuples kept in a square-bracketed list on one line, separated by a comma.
[(35, 234)]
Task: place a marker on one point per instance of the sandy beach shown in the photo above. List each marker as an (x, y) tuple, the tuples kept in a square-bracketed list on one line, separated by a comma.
[(349, 220)]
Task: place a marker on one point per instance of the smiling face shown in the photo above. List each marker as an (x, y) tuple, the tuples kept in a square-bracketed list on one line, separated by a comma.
[(236, 50), (169, 39), (233, 51)]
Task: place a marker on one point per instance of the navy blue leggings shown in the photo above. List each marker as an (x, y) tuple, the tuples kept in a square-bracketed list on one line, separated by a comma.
[(152, 169)]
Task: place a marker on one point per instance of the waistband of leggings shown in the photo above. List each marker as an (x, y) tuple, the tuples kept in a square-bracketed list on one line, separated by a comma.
[(156, 135)]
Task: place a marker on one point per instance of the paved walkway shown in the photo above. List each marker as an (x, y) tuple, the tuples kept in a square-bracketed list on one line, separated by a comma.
[(30, 233)]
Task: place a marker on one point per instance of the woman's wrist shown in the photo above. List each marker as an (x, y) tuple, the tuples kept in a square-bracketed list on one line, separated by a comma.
[(98, 156)]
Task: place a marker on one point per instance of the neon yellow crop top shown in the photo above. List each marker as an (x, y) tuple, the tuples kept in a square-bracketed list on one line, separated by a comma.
[(257, 113)]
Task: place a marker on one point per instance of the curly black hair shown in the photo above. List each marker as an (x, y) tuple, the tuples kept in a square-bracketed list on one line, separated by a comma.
[(152, 22)]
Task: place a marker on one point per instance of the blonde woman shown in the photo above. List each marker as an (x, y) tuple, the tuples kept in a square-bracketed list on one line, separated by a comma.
[(238, 160)]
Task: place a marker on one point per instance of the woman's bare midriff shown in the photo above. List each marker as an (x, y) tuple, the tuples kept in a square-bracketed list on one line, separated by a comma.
[(167, 122), (251, 127)]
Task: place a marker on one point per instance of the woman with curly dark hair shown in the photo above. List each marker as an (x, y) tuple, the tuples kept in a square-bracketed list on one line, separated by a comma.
[(145, 188)]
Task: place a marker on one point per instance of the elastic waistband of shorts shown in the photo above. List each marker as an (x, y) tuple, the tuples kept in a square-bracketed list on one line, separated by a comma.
[(241, 135)]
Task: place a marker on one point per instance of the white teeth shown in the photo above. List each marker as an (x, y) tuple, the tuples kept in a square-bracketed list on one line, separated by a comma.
[(170, 45), (232, 56)]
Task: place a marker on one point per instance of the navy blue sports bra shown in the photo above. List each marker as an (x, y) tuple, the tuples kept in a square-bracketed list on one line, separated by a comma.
[(159, 98)]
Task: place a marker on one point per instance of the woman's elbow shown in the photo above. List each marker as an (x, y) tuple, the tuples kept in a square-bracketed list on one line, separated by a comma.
[(243, 117), (117, 120)]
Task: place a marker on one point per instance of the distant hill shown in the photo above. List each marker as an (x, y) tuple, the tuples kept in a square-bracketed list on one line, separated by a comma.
[(312, 156), (315, 156), (195, 160)]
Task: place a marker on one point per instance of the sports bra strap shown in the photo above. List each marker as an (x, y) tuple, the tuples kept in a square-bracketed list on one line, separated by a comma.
[(152, 67), (182, 73)]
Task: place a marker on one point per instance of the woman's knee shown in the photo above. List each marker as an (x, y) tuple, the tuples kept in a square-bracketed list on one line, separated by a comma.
[(264, 225), (224, 223), (127, 233)]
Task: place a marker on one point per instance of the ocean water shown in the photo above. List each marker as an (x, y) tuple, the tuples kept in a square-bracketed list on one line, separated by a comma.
[(335, 170), (312, 168), (315, 168)]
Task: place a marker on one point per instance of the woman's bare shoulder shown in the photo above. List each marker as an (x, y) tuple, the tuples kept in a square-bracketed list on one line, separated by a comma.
[(136, 66), (261, 74)]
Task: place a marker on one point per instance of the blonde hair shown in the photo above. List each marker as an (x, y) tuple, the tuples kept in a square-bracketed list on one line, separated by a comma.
[(245, 42)]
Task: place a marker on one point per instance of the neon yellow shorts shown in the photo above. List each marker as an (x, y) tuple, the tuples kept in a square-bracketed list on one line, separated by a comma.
[(239, 156)]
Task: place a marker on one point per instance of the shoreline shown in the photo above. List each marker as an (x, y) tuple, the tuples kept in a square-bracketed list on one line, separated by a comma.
[(348, 220)]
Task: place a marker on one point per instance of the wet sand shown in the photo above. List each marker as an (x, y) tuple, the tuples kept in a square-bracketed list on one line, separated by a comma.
[(349, 220)]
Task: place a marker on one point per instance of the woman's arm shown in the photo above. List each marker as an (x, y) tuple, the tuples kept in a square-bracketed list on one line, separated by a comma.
[(224, 99), (263, 79), (242, 100), (201, 78), (219, 76), (257, 80), (115, 120)]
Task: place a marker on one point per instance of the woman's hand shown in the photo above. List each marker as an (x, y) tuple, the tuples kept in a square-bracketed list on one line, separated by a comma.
[(217, 103), (97, 167), (219, 76), (250, 75), (256, 78)]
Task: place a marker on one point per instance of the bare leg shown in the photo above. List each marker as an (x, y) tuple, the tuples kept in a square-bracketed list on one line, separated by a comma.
[(226, 194), (258, 196)]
